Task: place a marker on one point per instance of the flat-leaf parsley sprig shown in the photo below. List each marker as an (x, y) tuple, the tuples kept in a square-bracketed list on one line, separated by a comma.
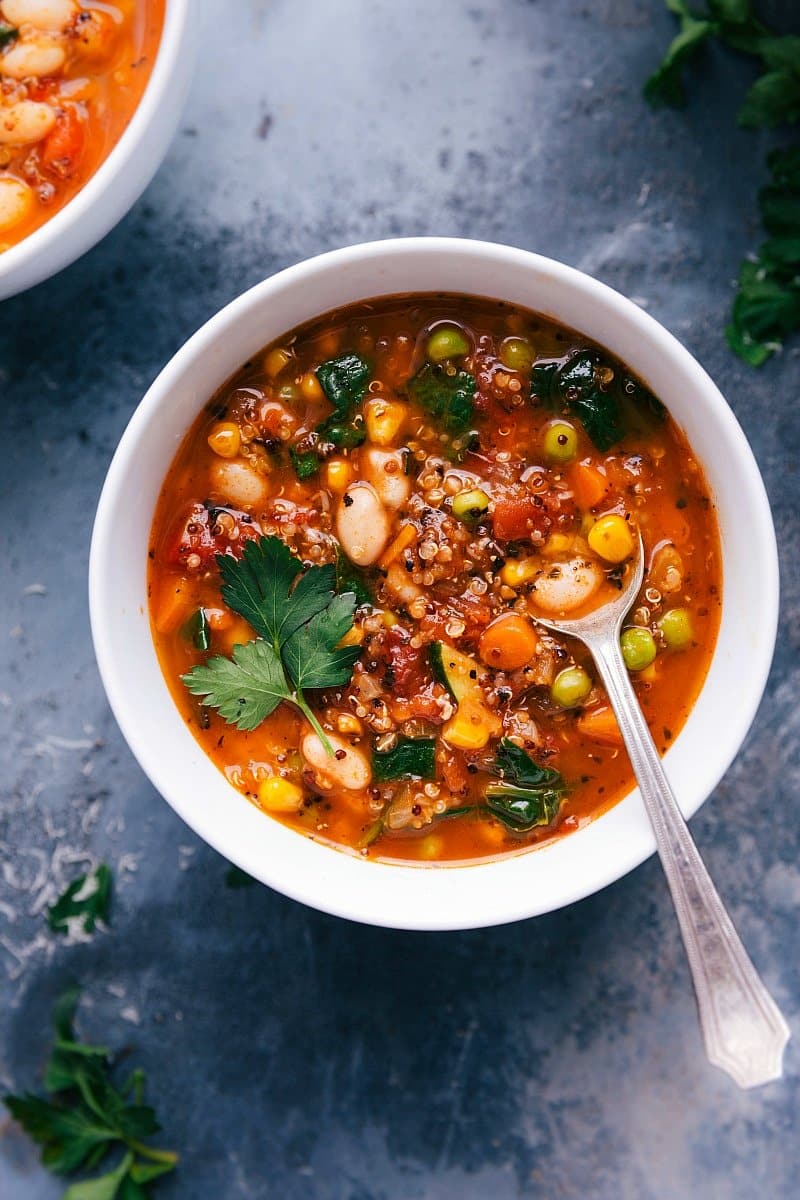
[(87, 1117), (83, 903), (766, 309), (300, 622)]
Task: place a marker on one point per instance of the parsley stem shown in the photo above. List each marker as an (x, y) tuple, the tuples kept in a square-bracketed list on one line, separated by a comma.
[(162, 1156), (299, 700)]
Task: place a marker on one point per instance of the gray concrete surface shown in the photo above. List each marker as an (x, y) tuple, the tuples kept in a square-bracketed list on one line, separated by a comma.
[(290, 1054)]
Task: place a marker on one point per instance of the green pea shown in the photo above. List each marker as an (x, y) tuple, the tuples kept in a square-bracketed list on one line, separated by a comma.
[(570, 687), (638, 648), (470, 505), (517, 354), (676, 626), (561, 441), (447, 341), (289, 393)]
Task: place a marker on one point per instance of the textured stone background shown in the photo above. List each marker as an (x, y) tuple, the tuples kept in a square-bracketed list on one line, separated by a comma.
[(294, 1055)]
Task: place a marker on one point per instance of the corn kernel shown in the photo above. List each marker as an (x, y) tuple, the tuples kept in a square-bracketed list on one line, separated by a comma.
[(311, 387), (225, 439), (611, 538), (279, 795), (338, 474), (557, 543), (353, 637), (389, 619), (384, 420), (431, 847), (518, 571), (347, 723), (275, 360)]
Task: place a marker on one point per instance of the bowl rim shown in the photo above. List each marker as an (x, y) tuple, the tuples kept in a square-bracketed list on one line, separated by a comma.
[(146, 113), (308, 889)]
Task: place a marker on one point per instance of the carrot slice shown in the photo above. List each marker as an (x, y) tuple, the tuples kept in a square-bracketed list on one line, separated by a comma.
[(174, 605), (588, 483), (600, 725)]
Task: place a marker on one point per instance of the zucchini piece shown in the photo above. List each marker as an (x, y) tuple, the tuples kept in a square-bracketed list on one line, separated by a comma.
[(455, 671), (474, 723)]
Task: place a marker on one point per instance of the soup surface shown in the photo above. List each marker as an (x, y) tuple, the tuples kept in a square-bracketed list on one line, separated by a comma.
[(352, 546), (71, 75)]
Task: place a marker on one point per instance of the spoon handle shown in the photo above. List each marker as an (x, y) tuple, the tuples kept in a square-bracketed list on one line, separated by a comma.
[(744, 1031)]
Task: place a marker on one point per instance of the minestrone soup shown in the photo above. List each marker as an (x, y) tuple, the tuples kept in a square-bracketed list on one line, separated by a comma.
[(71, 75)]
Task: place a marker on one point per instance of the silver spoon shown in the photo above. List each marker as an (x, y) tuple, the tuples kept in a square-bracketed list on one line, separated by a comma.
[(744, 1030)]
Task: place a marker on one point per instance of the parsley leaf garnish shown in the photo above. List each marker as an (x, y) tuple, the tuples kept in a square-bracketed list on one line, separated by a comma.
[(87, 1116), (245, 688), (85, 901), (258, 586), (527, 795), (766, 308), (300, 622)]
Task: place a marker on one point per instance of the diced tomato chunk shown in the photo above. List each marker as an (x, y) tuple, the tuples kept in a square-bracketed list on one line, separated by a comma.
[(62, 149), (198, 535), (407, 666), (518, 515)]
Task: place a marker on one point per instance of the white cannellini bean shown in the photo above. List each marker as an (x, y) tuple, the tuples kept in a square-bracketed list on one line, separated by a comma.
[(385, 470), (362, 524), (563, 587), (25, 122), (42, 14), (238, 483), (346, 768), (16, 201), (400, 585), (33, 56)]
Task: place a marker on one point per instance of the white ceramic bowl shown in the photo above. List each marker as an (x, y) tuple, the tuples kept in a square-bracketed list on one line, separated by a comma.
[(119, 181), (415, 897)]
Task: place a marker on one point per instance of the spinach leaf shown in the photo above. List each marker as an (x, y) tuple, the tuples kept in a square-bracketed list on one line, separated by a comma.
[(197, 630), (446, 394), (575, 385), (344, 382), (350, 578), (8, 34), (411, 758), (527, 795), (305, 464)]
